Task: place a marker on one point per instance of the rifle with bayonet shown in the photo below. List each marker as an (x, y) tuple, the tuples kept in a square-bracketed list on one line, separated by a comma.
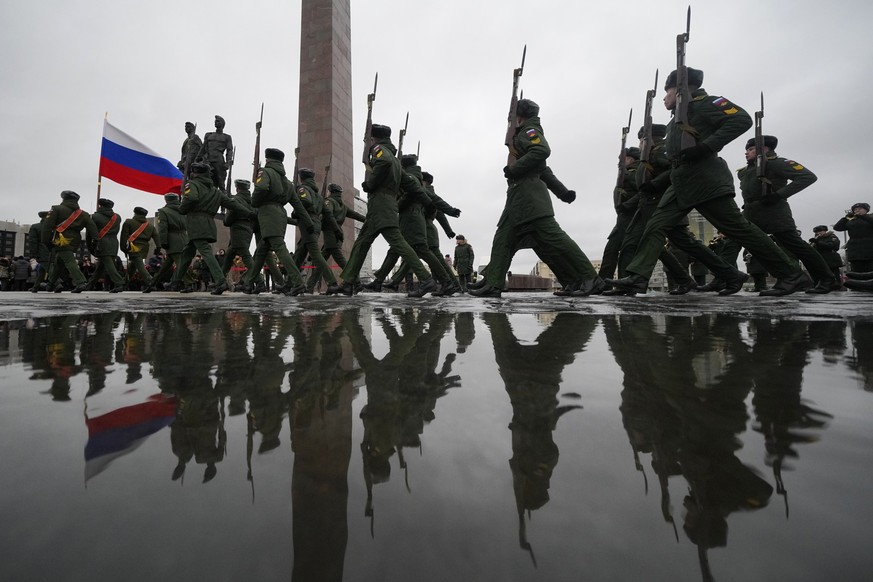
[(509, 140), (256, 164), (230, 173), (619, 180), (402, 135), (648, 140), (296, 179), (368, 130), (418, 150), (325, 182), (683, 93), (760, 154)]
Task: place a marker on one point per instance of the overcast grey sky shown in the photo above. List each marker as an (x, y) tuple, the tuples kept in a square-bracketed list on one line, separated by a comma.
[(153, 66)]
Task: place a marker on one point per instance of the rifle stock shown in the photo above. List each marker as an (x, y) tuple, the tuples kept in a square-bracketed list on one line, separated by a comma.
[(513, 108), (648, 139), (256, 164), (326, 176), (368, 130)]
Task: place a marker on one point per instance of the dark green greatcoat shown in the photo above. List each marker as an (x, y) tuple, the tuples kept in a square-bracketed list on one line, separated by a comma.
[(172, 228), (65, 245), (859, 247), (786, 178), (139, 247), (272, 192), (108, 245), (464, 258), (827, 246)]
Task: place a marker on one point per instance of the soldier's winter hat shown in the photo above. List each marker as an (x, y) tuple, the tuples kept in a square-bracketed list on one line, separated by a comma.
[(69, 195), (219, 118), (863, 205), (105, 203), (306, 173), (460, 237), (770, 141), (140, 210), (335, 188), (380, 131), (633, 152), (820, 228), (427, 177), (171, 197), (43, 213), (658, 130), (408, 160), (274, 154), (527, 109), (695, 78), (199, 168), (244, 184)]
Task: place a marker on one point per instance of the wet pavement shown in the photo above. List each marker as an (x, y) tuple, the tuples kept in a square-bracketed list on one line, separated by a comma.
[(174, 437)]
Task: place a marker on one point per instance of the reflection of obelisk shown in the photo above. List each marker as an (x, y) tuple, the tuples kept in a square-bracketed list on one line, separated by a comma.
[(325, 114)]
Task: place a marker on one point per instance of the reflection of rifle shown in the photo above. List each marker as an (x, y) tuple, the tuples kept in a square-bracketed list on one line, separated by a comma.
[(250, 429), (760, 155), (257, 161), (230, 172), (368, 481), (683, 93), (509, 140), (402, 135), (619, 181), (648, 140), (368, 129)]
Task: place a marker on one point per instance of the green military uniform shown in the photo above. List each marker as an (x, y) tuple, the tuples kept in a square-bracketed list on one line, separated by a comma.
[(173, 234), (771, 213), (859, 248), (827, 244), (700, 179), (627, 200), (313, 205), (272, 192), (65, 244), (38, 250), (528, 213), (241, 222), (137, 250), (464, 260), (413, 226), (108, 225), (382, 185), (332, 218), (200, 202)]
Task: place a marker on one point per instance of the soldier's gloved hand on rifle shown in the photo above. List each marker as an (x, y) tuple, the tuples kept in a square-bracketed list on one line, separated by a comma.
[(696, 153), (454, 212), (365, 188), (508, 172), (451, 234), (567, 197)]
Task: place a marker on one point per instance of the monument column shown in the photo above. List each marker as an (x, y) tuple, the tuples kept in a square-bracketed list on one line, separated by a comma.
[(325, 110)]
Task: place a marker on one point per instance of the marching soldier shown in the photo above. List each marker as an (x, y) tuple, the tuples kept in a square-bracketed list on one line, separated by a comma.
[(62, 232), (332, 218), (38, 250), (241, 223), (173, 234), (769, 210), (136, 233), (628, 200), (108, 225), (313, 204)]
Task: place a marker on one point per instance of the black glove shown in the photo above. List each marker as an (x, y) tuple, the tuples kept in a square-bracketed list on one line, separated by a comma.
[(696, 153), (365, 188), (568, 197), (451, 234), (508, 172), (454, 212), (770, 198)]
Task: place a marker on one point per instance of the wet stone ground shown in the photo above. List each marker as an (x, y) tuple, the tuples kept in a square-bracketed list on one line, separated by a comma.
[(173, 437)]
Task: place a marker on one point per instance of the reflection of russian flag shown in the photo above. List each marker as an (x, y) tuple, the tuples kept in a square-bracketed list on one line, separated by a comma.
[(121, 431), (130, 163)]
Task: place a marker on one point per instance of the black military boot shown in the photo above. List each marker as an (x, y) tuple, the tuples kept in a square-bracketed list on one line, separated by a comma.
[(220, 288), (685, 287), (424, 287), (391, 285), (859, 285), (594, 286), (798, 281), (567, 290), (375, 285), (734, 285), (635, 283), (486, 291), (714, 285)]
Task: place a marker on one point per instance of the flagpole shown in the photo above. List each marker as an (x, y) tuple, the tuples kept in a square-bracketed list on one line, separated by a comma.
[(99, 177)]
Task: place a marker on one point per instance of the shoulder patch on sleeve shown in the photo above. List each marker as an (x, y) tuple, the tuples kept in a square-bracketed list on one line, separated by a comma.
[(532, 135), (719, 101), (377, 151), (731, 111), (187, 190), (302, 191), (794, 164), (260, 175)]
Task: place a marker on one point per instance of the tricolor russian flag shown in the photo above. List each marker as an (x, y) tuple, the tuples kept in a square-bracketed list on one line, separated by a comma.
[(121, 431), (131, 163)]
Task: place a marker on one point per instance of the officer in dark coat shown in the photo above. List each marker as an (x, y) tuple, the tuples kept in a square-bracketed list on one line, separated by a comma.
[(528, 213), (136, 233), (859, 249), (701, 180), (108, 225), (219, 152), (38, 250), (827, 244), (382, 185), (332, 218), (769, 210), (463, 261), (62, 232)]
